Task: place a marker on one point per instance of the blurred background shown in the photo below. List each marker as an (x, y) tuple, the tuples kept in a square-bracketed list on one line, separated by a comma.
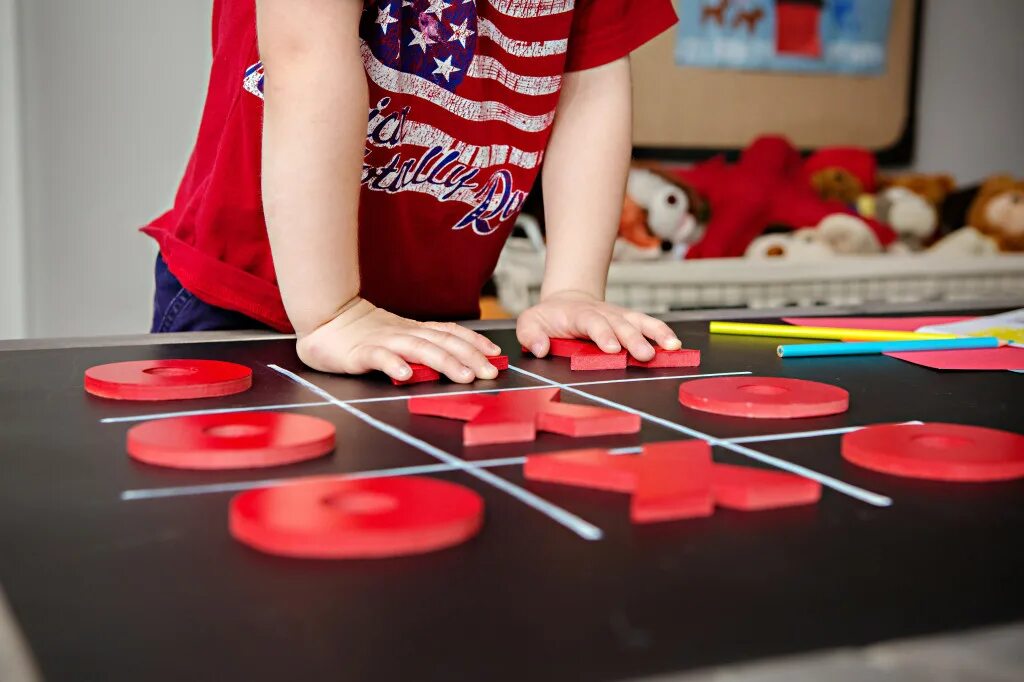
[(100, 101)]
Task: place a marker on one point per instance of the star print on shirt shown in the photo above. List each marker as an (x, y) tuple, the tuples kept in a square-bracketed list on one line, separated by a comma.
[(437, 7), (434, 39), (445, 68), (421, 40), (384, 18), (460, 33)]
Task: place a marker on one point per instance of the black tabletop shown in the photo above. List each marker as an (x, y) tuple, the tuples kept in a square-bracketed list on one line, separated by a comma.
[(117, 570)]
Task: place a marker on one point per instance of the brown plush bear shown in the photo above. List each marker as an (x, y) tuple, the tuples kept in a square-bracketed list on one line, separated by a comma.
[(998, 211), (934, 188), (841, 173)]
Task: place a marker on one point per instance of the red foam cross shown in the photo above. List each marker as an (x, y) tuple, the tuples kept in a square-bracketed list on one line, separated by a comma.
[(674, 480), (516, 416)]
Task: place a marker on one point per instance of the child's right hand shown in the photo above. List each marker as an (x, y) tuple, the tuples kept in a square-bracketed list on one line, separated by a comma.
[(364, 337)]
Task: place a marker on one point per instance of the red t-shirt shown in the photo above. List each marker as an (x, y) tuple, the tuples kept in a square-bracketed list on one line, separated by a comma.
[(462, 98)]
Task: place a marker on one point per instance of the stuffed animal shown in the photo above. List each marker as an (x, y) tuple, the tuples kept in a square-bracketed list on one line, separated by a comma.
[(911, 204), (661, 216), (798, 245), (841, 173), (966, 241), (934, 188), (998, 212), (910, 215), (768, 186), (838, 234)]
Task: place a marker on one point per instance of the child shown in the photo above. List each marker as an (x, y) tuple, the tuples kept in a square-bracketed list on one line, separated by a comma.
[(451, 105)]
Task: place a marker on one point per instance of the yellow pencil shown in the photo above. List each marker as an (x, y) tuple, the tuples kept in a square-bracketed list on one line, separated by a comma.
[(787, 331)]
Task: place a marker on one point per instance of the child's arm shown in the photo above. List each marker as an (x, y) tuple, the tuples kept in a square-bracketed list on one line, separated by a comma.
[(316, 105), (584, 179)]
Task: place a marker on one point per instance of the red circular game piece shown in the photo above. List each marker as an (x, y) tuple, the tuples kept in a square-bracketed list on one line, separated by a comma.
[(353, 519), (763, 397), (936, 451), (240, 440), (167, 379)]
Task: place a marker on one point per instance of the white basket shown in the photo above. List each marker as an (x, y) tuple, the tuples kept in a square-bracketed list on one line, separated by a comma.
[(660, 286)]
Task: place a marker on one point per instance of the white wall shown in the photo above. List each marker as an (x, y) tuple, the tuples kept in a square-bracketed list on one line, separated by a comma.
[(12, 252), (111, 92), (111, 96), (971, 96)]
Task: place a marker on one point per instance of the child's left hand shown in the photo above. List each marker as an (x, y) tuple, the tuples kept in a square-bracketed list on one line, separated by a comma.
[(571, 314)]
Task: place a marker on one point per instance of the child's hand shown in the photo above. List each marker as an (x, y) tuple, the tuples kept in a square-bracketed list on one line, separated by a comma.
[(579, 315), (364, 337)]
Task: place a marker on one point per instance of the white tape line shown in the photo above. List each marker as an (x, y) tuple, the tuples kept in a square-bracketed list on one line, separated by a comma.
[(574, 523), (422, 469), (828, 481), (392, 398)]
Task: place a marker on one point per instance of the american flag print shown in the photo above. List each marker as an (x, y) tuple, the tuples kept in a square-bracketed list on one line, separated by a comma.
[(462, 100), (432, 39)]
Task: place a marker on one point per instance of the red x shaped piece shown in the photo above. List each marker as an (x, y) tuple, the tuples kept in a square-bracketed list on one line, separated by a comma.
[(673, 480), (516, 416)]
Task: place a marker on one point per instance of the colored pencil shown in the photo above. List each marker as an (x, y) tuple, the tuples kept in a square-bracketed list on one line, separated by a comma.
[(787, 331), (811, 350)]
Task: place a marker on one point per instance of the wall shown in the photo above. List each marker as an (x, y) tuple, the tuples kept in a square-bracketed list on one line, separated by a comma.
[(971, 96), (111, 95), (111, 92), (12, 251)]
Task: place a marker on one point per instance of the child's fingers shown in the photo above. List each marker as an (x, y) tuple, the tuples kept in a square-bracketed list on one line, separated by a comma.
[(366, 358), (631, 338), (530, 333), (463, 351), (481, 342), (658, 331), (600, 331), (420, 350)]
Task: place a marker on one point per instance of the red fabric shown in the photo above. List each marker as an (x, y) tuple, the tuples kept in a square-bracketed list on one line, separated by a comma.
[(857, 160), (604, 31), (766, 187), (796, 30), (440, 192)]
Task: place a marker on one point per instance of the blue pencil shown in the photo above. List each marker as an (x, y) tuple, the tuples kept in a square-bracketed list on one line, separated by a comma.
[(810, 350)]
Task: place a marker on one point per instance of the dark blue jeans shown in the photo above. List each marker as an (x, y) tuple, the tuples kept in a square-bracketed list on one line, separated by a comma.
[(176, 309)]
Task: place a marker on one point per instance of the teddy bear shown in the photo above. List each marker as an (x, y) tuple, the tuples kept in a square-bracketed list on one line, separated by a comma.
[(914, 220), (910, 203), (966, 241), (998, 212), (797, 245), (767, 186), (838, 234), (933, 187), (661, 216), (841, 173)]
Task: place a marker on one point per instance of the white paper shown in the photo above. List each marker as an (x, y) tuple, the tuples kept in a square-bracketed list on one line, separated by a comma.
[(1007, 326)]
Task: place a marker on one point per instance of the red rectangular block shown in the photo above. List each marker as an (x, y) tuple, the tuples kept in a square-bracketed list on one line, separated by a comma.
[(749, 489), (594, 358), (500, 362), (684, 357), (420, 374), (584, 420), (566, 348), (485, 431)]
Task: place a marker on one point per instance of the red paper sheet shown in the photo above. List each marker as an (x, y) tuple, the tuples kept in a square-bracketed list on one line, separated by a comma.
[(1009, 357), (896, 324)]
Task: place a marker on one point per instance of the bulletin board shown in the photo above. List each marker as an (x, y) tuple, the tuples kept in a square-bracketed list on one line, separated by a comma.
[(683, 112)]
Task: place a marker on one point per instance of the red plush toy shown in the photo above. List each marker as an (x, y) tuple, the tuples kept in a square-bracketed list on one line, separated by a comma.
[(768, 186)]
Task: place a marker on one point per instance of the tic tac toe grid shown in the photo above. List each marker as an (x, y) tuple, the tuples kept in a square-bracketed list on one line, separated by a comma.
[(117, 569)]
